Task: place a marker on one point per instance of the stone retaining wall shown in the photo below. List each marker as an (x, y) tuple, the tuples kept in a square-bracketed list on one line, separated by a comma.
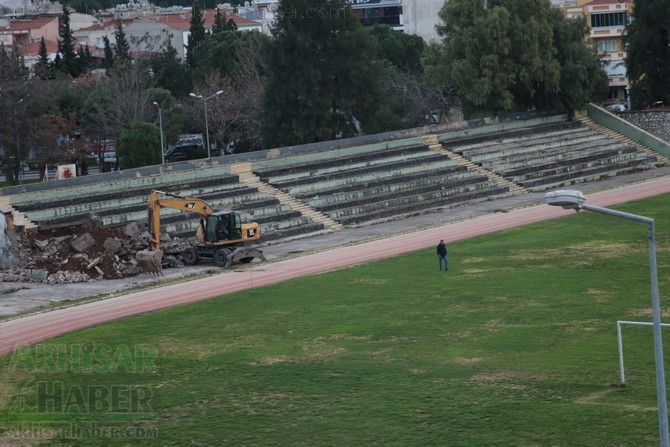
[(655, 122)]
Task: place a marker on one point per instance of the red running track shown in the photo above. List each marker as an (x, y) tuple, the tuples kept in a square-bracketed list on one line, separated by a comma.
[(38, 327)]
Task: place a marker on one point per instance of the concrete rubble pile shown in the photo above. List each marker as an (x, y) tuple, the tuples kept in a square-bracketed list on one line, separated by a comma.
[(90, 253)]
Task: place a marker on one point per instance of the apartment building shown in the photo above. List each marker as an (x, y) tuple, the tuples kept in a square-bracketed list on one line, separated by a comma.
[(608, 20), (410, 16)]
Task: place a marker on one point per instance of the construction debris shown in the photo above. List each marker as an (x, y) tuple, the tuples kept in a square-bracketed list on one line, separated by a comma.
[(87, 253)]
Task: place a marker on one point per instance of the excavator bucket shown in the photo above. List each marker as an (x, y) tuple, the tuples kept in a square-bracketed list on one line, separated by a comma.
[(244, 255), (150, 260)]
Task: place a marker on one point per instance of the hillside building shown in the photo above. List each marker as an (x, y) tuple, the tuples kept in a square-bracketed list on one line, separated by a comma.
[(608, 20)]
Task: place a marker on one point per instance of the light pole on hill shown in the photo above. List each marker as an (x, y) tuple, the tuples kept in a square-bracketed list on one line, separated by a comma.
[(204, 102), (16, 168), (160, 121), (570, 199)]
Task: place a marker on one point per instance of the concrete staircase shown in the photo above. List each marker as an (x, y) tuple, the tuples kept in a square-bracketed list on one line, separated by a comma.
[(434, 145), (246, 176), (662, 159), (18, 217)]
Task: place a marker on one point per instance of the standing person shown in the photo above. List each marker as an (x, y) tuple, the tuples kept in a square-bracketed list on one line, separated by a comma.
[(442, 255)]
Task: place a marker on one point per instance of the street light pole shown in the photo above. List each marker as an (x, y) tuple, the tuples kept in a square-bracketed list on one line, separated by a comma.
[(571, 199), (17, 160), (204, 102), (160, 121)]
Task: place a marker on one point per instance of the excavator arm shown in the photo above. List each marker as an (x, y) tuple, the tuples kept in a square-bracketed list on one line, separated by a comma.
[(156, 202)]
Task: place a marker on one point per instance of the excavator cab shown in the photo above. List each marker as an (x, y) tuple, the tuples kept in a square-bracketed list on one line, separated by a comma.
[(226, 228), (223, 226)]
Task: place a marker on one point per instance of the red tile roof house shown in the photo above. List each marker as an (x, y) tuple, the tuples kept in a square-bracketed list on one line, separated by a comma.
[(148, 33), (25, 30), (145, 34)]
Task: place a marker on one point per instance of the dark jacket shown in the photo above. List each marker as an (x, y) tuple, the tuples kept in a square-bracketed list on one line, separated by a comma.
[(441, 250)]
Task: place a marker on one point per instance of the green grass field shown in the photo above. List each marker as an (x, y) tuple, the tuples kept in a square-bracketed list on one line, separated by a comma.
[(514, 346)]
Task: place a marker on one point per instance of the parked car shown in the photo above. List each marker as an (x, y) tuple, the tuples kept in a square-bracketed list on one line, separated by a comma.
[(617, 108), (228, 150), (185, 152)]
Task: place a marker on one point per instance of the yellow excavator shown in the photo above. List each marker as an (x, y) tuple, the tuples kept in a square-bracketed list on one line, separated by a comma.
[(221, 236)]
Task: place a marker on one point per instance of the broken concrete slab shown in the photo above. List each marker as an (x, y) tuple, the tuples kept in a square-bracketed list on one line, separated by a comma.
[(112, 245), (42, 245), (83, 243), (38, 275), (132, 230)]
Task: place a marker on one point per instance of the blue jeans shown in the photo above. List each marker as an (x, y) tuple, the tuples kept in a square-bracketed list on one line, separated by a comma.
[(445, 260)]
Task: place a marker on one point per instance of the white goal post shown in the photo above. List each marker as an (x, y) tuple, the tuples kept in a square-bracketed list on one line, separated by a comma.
[(620, 323)]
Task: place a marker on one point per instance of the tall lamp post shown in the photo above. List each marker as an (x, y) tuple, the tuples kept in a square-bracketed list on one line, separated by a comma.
[(160, 121), (204, 102), (17, 163), (570, 199)]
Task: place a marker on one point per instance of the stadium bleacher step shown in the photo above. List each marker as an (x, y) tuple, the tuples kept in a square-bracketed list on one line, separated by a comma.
[(435, 145), (246, 176), (662, 159), (18, 217)]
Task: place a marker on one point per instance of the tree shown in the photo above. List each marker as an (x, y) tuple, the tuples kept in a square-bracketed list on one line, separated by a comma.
[(84, 59), (118, 101), (173, 113), (402, 50), (198, 34), (122, 46), (108, 61), (222, 22), (647, 41), (53, 118), (170, 73), (502, 55), (236, 116), (219, 21), (139, 146), (582, 77), (43, 69), (414, 103), (408, 101), (219, 53), (12, 66), (57, 140), (67, 61), (14, 97), (323, 75)]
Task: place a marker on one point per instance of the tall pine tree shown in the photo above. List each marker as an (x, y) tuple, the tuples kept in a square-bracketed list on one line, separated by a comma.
[(197, 32), (108, 61), (67, 62), (219, 21), (122, 45), (43, 68)]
